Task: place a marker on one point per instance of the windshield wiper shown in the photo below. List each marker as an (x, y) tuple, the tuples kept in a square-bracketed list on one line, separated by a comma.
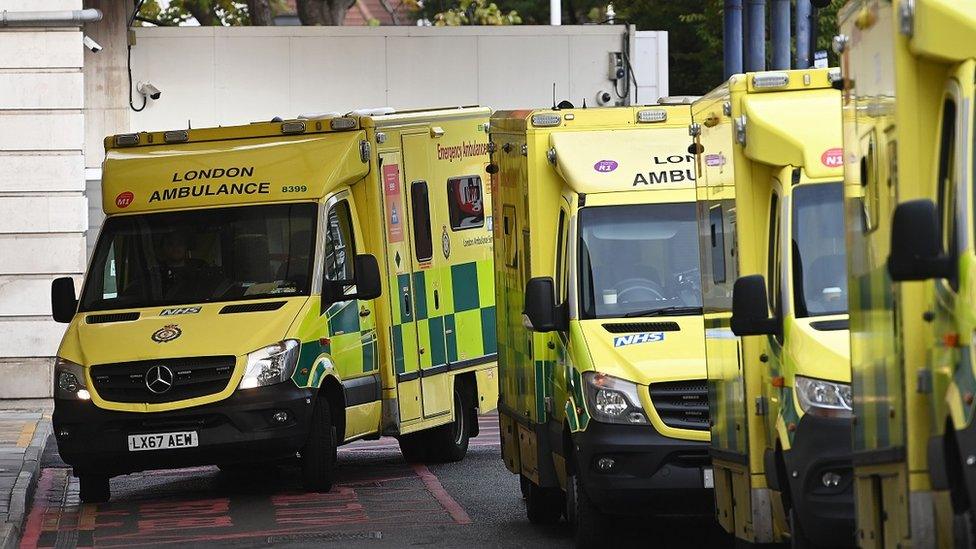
[(673, 310)]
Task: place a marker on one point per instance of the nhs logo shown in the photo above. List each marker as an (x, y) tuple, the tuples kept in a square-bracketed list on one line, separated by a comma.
[(634, 339)]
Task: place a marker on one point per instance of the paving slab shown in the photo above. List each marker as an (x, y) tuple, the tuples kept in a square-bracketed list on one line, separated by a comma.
[(25, 427)]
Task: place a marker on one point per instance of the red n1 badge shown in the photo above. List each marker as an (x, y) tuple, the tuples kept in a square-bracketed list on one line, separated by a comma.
[(833, 158), (124, 199)]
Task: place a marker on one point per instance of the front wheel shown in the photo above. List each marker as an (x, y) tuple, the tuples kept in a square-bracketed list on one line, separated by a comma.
[(798, 538), (542, 505), (450, 442), (964, 530), (94, 489), (319, 454), (589, 524)]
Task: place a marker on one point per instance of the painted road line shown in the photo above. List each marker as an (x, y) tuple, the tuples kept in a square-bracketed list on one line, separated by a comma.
[(435, 487)]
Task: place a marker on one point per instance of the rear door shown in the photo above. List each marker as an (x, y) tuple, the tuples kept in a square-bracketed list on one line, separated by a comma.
[(425, 208)]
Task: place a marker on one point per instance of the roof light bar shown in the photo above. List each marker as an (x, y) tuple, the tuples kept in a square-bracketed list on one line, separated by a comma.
[(652, 115), (176, 136), (546, 120), (770, 80), (295, 126), (343, 123), (126, 139)]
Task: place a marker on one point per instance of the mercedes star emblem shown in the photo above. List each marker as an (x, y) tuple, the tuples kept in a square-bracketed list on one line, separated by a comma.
[(159, 379)]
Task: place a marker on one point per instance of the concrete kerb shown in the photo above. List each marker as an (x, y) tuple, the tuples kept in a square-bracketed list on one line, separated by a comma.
[(24, 487)]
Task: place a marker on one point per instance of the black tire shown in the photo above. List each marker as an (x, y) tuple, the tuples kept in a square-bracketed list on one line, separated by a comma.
[(414, 447), (590, 526), (449, 443), (319, 454), (543, 505), (94, 489), (964, 530)]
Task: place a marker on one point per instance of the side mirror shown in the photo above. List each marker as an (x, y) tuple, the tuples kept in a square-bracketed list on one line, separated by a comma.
[(540, 313), (916, 243), (366, 278), (750, 308), (64, 303)]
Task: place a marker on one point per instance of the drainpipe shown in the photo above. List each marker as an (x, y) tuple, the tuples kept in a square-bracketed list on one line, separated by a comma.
[(803, 12), (65, 18), (756, 52), (780, 14), (732, 36)]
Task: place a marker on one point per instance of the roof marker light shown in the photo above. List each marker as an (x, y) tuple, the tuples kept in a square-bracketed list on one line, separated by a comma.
[(293, 127), (652, 115), (770, 80), (546, 120), (176, 136), (126, 139), (343, 123)]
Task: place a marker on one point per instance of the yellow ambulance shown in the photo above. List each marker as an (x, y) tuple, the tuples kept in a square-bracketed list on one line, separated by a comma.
[(602, 400), (276, 290), (908, 73), (774, 284)]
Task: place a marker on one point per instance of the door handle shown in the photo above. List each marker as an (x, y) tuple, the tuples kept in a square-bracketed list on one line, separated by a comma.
[(437, 301), (406, 303), (364, 312)]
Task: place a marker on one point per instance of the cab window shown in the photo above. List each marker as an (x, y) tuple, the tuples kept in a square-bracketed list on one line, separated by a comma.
[(946, 188), (466, 203), (340, 244), (717, 241), (420, 202), (773, 261), (561, 273)]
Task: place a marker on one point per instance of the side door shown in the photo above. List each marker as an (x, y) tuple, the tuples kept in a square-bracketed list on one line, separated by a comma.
[(400, 296), (351, 324), (771, 359), (954, 319)]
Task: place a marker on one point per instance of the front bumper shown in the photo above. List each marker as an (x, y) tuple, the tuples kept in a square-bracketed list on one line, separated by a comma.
[(237, 429), (821, 445), (651, 473)]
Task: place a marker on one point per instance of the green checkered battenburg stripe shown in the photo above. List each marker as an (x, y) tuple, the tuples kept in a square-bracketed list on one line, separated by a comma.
[(455, 326)]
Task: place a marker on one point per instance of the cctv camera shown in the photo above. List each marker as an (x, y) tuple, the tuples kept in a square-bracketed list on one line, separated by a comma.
[(603, 97), (94, 46), (147, 89)]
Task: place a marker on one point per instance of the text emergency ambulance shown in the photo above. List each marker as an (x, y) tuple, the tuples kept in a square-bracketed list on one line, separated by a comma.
[(601, 345), (282, 288), (770, 191), (909, 69)]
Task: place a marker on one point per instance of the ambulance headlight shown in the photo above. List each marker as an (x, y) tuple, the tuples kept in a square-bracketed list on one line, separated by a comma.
[(69, 380), (612, 400), (270, 365), (824, 398)]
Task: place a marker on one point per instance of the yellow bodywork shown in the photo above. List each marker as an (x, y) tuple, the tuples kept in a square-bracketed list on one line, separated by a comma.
[(547, 174), (903, 64), (759, 146), (366, 162)]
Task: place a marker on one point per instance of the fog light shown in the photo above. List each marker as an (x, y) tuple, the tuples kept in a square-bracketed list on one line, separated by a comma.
[(605, 464), (830, 479), (280, 417)]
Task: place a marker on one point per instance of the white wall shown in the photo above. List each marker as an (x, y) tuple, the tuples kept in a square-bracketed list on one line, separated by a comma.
[(43, 208), (212, 76)]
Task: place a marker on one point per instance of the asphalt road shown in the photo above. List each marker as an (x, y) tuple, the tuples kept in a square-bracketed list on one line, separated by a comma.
[(379, 501)]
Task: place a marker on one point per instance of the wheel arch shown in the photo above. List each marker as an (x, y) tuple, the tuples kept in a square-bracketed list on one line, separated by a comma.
[(331, 388)]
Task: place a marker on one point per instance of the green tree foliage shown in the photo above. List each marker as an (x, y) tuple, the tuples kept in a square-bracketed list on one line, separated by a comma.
[(206, 12), (530, 12), (476, 12)]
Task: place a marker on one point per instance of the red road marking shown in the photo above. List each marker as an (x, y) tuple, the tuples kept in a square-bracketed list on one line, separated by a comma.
[(35, 520), (435, 487)]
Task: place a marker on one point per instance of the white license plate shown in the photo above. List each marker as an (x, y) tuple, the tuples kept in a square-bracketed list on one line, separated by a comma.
[(163, 441), (708, 477)]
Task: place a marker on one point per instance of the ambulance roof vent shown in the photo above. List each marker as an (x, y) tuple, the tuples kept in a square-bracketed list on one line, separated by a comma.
[(318, 115), (678, 100), (376, 111)]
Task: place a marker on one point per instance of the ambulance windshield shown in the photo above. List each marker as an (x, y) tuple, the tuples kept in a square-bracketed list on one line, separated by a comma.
[(639, 260), (198, 256), (819, 252)]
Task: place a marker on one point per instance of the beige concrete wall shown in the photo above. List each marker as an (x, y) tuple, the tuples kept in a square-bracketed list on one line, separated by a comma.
[(43, 208)]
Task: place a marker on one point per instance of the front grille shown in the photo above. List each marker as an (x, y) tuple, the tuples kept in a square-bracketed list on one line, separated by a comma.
[(634, 327), (192, 377), (682, 404)]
